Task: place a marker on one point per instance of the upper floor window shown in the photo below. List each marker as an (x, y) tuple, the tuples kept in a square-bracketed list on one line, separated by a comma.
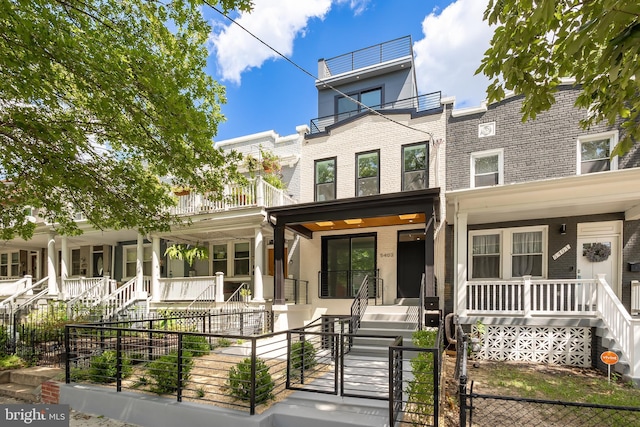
[(368, 173), (414, 167), (487, 168), (507, 253), (325, 179), (594, 153), (346, 108)]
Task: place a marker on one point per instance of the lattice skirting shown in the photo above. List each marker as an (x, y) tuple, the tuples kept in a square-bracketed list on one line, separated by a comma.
[(553, 345)]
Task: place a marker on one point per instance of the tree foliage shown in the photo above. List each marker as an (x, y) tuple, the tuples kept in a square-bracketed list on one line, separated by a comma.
[(100, 98), (597, 42)]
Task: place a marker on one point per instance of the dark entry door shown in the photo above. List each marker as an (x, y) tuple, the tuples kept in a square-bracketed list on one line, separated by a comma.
[(411, 258)]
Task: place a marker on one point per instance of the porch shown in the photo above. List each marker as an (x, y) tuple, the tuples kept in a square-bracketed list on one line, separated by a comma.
[(570, 307)]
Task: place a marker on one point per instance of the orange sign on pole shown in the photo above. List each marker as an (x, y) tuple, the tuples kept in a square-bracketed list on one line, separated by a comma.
[(609, 357)]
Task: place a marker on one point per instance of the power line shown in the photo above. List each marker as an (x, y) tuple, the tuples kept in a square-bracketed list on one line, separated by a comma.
[(360, 104)]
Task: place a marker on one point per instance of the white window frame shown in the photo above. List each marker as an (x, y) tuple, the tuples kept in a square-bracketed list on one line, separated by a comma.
[(232, 256), (10, 264), (613, 141), (487, 153), (506, 250), (145, 247)]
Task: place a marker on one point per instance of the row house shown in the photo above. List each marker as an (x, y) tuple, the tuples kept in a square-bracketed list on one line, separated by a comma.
[(543, 233)]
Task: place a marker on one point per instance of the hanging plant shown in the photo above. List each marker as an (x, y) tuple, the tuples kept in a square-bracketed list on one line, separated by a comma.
[(188, 253), (597, 252)]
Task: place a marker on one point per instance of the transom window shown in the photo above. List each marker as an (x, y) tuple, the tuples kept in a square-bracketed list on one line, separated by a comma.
[(414, 167), (487, 168), (325, 179), (346, 107), (368, 173), (507, 253), (594, 153), (346, 260)]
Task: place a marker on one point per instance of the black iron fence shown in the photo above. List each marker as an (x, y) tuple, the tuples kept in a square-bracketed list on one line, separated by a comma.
[(479, 410)]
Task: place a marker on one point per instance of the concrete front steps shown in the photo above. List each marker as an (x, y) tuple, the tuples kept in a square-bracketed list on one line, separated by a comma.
[(384, 321), (25, 384)]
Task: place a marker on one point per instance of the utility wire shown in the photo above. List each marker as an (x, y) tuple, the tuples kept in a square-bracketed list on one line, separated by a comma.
[(366, 107)]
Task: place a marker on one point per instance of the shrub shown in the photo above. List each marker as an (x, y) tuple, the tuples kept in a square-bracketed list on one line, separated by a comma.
[(196, 344), (164, 371), (224, 342), (421, 387), (303, 355), (104, 367), (240, 381)]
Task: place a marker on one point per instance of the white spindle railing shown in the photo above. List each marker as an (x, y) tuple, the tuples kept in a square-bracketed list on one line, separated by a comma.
[(622, 327), (14, 285), (205, 301), (237, 301), (24, 287), (635, 297), (117, 301), (75, 286), (528, 297), (256, 193)]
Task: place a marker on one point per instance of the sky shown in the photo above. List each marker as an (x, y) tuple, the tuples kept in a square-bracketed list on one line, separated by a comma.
[(266, 92)]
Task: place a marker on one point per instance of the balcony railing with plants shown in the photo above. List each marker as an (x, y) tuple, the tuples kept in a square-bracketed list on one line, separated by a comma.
[(256, 193), (425, 102)]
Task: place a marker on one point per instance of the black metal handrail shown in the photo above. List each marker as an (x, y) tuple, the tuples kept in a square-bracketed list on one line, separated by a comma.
[(422, 301), (359, 305), (425, 102), (346, 283)]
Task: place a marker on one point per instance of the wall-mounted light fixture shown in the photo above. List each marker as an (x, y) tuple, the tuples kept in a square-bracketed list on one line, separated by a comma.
[(563, 228)]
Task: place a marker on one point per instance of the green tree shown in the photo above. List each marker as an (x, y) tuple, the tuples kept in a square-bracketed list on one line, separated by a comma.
[(99, 98), (597, 42)]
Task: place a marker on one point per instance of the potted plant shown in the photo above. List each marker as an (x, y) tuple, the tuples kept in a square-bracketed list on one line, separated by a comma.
[(270, 162), (245, 293), (181, 190), (187, 252), (274, 180)]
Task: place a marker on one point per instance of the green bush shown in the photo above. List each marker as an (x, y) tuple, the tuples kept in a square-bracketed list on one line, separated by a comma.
[(240, 381), (421, 387), (103, 368), (303, 355), (164, 371), (196, 344)]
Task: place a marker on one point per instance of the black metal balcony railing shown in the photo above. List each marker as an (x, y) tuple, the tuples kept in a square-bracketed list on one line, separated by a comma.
[(372, 55), (346, 283), (425, 102)]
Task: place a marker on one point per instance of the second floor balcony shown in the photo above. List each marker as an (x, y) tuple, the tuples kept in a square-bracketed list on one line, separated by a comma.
[(416, 104)]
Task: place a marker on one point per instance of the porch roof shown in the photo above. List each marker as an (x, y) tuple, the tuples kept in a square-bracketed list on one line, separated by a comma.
[(591, 194), (377, 210)]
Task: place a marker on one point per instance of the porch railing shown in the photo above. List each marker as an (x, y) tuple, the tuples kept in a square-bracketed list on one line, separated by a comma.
[(256, 193), (76, 286), (529, 297), (124, 297), (237, 301), (24, 286), (635, 297), (359, 305), (183, 288), (205, 301)]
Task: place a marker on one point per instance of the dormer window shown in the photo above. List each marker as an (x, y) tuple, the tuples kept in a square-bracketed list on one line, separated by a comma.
[(346, 108)]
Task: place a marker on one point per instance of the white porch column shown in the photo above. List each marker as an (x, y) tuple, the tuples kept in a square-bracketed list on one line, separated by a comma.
[(461, 263), (219, 287), (258, 255), (259, 191), (139, 265), (64, 263), (155, 270), (51, 264)]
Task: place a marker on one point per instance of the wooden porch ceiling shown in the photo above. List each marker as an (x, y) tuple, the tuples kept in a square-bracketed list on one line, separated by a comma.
[(349, 223)]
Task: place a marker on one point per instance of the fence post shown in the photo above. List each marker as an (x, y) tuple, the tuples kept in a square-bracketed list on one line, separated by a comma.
[(67, 355), (252, 409), (179, 391), (118, 359), (288, 382), (242, 323), (463, 383)]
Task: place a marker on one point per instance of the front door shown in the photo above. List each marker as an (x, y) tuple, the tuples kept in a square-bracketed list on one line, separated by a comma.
[(598, 251), (411, 257)]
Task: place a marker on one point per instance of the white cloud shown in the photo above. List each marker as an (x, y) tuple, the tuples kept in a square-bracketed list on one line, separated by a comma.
[(449, 54), (276, 22), (358, 6)]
